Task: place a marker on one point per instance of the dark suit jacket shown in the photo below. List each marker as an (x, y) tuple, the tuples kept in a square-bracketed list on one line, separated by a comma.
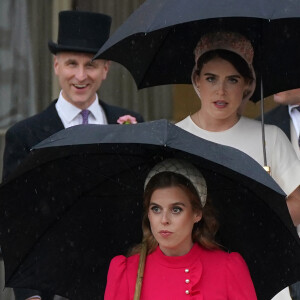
[(22, 136), (280, 117)]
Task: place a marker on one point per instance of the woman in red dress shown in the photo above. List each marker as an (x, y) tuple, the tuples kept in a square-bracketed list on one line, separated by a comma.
[(183, 261)]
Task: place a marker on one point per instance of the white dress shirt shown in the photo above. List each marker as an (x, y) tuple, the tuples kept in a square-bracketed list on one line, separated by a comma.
[(70, 114), (295, 116), (295, 128), (295, 132)]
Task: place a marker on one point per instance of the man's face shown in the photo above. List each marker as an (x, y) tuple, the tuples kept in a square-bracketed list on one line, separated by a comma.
[(79, 76), (291, 97)]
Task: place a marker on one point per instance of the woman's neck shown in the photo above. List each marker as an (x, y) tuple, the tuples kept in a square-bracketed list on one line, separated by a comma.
[(214, 125), (177, 252)]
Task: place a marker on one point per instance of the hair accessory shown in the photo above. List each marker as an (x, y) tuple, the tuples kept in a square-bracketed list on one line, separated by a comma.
[(231, 41), (184, 168)]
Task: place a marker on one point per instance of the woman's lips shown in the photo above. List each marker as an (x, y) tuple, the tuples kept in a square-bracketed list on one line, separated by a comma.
[(165, 233), (220, 104)]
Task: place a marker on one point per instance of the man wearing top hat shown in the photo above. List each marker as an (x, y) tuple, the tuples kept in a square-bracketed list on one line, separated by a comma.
[(80, 36)]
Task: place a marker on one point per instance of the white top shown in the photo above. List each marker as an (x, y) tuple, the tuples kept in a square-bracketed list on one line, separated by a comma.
[(70, 114), (245, 136), (283, 295)]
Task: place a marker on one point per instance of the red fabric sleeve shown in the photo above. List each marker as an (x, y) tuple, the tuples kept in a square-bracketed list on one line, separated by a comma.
[(117, 283), (239, 282)]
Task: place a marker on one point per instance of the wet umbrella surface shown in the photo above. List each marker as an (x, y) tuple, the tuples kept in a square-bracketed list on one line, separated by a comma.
[(156, 42), (76, 202)]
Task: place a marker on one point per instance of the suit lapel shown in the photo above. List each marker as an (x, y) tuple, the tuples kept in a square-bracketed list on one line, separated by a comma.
[(280, 117), (110, 113), (52, 122), (284, 123)]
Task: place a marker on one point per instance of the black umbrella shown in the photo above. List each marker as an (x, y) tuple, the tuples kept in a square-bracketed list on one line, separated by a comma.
[(76, 202), (156, 42)]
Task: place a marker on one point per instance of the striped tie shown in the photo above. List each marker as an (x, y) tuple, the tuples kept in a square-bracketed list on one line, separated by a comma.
[(85, 116)]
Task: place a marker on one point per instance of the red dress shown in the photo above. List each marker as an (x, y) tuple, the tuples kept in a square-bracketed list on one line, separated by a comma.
[(199, 275)]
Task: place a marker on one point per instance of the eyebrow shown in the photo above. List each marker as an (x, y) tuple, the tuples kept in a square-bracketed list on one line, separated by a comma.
[(70, 60), (176, 203), (233, 75)]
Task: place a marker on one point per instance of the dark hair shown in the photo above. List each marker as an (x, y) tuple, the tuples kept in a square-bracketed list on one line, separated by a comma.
[(203, 232), (237, 61)]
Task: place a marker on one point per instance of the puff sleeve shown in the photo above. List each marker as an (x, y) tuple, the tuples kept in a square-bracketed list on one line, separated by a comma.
[(117, 283), (239, 282)]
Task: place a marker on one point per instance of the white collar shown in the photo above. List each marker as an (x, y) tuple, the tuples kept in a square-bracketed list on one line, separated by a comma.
[(292, 106), (295, 116), (69, 112)]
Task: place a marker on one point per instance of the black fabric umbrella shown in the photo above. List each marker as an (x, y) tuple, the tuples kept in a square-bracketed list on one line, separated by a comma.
[(156, 42), (76, 202)]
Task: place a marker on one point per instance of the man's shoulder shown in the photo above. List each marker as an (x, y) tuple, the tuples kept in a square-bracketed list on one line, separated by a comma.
[(38, 120), (113, 111), (276, 114), (280, 117), (116, 108)]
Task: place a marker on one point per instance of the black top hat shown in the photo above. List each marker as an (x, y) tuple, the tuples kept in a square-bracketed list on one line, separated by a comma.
[(81, 31)]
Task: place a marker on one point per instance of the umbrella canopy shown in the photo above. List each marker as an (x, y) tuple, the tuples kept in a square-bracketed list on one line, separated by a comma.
[(156, 42), (76, 202)]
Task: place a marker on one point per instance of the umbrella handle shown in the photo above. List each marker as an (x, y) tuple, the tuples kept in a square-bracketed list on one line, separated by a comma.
[(262, 111), (140, 273)]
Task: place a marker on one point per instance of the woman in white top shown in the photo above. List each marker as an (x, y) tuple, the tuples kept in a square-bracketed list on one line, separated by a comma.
[(223, 78)]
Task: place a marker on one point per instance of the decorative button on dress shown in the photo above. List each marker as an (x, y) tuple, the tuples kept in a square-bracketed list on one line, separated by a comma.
[(199, 275)]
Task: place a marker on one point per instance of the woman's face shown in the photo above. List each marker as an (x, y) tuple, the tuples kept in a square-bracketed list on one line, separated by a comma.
[(172, 219), (221, 89)]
